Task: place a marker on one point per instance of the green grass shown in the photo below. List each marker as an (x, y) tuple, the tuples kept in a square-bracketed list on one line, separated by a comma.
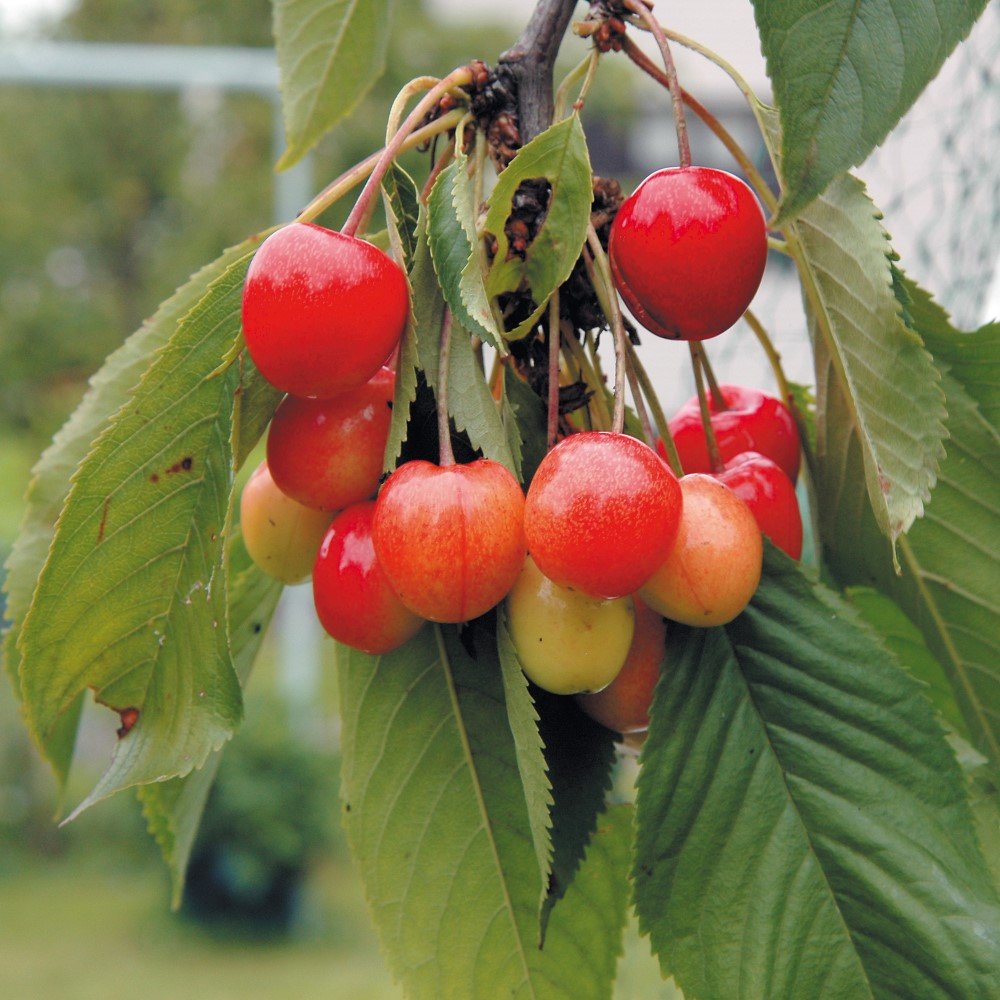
[(73, 932)]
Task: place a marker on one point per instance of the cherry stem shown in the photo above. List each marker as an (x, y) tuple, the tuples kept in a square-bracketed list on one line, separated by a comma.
[(713, 386), (442, 161), (724, 136), (554, 344), (614, 314), (446, 456), (427, 103), (586, 70), (350, 179), (591, 378), (673, 85), (773, 357), (659, 417), (640, 407), (697, 358)]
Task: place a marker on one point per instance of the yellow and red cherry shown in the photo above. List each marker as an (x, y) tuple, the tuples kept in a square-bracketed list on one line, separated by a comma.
[(714, 568), (623, 706), (566, 641), (354, 601), (688, 250), (327, 453), (601, 513), (281, 535), (321, 310), (770, 495), (450, 538), (752, 421)]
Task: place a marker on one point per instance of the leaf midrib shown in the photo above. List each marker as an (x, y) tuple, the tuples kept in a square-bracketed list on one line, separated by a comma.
[(481, 804), (758, 715)]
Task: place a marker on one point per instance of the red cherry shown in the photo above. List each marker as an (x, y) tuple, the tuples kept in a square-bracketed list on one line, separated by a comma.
[(770, 495), (687, 250), (321, 310), (602, 513), (327, 453), (753, 421), (623, 705), (353, 598), (450, 538)]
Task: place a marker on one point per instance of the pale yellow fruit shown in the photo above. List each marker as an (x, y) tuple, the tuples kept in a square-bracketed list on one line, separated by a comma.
[(281, 535), (567, 642)]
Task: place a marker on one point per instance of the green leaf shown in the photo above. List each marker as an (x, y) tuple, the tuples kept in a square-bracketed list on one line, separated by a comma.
[(523, 718), (458, 253), (875, 381), (108, 391), (845, 72), (804, 401), (586, 930), (973, 359), (580, 757), (907, 644), (949, 584), (472, 406), (559, 155), (436, 816), (423, 325), (803, 827), (330, 53), (132, 599), (526, 422), (402, 209), (173, 809)]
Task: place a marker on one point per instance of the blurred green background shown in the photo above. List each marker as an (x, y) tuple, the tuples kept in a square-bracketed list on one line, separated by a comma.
[(110, 199)]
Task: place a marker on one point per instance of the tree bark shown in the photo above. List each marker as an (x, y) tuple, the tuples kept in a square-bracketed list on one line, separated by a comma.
[(530, 61)]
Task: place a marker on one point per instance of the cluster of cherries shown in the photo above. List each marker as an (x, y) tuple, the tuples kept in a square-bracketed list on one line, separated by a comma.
[(617, 542)]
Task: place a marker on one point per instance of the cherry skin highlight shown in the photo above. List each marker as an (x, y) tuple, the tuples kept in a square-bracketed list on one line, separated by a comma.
[(327, 453), (753, 421), (602, 513), (450, 538), (281, 535), (566, 641), (623, 706), (715, 566), (321, 310), (688, 250), (354, 601), (770, 495)]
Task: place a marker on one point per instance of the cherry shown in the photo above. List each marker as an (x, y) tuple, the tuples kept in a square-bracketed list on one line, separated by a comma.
[(450, 538), (321, 310), (770, 495), (753, 421), (353, 598), (566, 641), (281, 535), (602, 513), (623, 705), (687, 251), (327, 453), (714, 568)]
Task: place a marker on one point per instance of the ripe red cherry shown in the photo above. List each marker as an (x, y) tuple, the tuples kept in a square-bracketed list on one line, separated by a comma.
[(714, 568), (354, 601), (770, 495), (753, 421), (327, 453), (602, 513), (687, 250), (321, 310), (450, 538), (623, 705)]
